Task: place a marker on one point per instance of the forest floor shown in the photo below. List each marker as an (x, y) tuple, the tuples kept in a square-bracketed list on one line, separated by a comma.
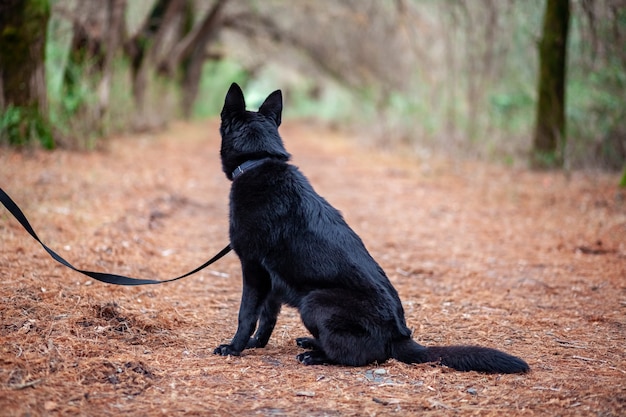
[(530, 263)]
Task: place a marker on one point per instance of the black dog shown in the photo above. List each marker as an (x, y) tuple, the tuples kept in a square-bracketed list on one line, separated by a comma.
[(296, 249)]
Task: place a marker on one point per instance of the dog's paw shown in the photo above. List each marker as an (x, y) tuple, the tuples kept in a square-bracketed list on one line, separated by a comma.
[(304, 358), (312, 357), (254, 343), (306, 343), (225, 350)]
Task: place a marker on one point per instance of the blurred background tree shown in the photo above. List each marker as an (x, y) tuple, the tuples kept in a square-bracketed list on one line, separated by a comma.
[(453, 76), (549, 139), (23, 97)]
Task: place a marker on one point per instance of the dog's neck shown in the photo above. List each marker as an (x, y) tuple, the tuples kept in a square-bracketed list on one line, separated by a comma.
[(247, 166)]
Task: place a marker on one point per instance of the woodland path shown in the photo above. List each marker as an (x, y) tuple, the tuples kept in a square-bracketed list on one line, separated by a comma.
[(531, 263)]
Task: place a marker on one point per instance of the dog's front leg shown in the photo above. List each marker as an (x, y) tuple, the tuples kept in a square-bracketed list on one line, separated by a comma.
[(256, 287), (267, 321)]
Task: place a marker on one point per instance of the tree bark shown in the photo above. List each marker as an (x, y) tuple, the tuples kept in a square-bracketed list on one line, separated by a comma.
[(115, 27), (196, 50), (145, 53), (549, 138), (23, 26)]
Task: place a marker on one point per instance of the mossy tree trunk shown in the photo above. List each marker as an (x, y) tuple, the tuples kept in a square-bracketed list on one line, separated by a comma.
[(549, 138), (23, 99)]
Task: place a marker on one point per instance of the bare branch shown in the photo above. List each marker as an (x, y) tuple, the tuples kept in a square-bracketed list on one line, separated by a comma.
[(197, 38)]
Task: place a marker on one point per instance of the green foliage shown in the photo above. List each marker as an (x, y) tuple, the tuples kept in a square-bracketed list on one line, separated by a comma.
[(216, 78), (20, 126), (70, 100), (69, 90), (512, 110), (409, 117), (72, 80), (596, 99), (622, 182), (545, 159), (59, 39), (597, 112)]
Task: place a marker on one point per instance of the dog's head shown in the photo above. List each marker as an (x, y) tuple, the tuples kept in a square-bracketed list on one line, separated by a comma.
[(248, 135)]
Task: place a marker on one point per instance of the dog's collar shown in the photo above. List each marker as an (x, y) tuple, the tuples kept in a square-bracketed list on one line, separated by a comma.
[(247, 166)]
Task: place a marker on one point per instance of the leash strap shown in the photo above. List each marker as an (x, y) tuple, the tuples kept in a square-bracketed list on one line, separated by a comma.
[(100, 276)]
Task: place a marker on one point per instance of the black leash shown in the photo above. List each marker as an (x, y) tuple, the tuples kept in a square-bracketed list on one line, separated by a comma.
[(100, 276)]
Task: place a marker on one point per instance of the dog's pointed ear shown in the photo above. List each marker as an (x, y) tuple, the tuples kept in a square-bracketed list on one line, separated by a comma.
[(272, 107), (234, 101)]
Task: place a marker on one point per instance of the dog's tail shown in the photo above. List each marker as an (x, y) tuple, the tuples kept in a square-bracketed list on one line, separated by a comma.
[(462, 358)]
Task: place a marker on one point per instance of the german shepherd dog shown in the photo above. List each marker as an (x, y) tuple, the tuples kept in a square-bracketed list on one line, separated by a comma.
[(296, 249)]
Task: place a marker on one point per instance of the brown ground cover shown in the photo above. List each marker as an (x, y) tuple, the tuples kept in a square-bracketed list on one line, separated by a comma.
[(531, 263)]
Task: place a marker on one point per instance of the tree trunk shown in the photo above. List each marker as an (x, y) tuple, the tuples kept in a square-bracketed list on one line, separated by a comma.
[(148, 50), (112, 40), (23, 25), (197, 56), (163, 50), (549, 139)]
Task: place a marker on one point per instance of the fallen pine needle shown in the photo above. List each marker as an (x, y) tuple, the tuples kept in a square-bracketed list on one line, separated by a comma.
[(25, 384)]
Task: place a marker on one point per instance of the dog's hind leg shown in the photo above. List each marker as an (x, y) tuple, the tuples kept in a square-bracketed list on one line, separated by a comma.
[(308, 343), (343, 333), (314, 357)]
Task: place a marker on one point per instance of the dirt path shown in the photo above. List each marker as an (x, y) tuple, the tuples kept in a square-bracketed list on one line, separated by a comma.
[(534, 264)]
